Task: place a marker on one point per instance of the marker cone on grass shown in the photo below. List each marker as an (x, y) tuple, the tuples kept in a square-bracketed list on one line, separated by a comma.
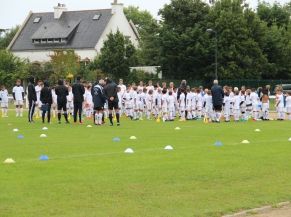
[(129, 151)]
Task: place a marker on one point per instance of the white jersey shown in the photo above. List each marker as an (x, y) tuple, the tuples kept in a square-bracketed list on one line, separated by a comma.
[(122, 88), (150, 88), (18, 91), (128, 100), (182, 100), (208, 102), (88, 97), (227, 102), (254, 98), (288, 102), (70, 97), (280, 100), (141, 98), (236, 102), (4, 96), (149, 101), (134, 99), (171, 101), (37, 90), (189, 99), (164, 101), (54, 96), (199, 100)]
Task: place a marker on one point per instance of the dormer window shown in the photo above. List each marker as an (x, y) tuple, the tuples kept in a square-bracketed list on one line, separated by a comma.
[(97, 17), (36, 20)]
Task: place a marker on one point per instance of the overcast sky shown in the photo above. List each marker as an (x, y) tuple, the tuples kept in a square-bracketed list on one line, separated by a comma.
[(13, 12)]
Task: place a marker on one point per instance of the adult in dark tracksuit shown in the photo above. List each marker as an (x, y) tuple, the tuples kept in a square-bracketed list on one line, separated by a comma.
[(99, 100), (110, 91), (217, 99), (78, 92), (46, 99), (31, 96), (62, 92)]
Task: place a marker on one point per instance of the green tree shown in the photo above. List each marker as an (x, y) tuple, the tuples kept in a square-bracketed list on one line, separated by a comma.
[(11, 68), (65, 63), (117, 55), (6, 38), (184, 43), (148, 28)]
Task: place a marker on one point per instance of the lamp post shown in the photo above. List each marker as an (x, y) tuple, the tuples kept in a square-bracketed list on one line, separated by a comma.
[(216, 51)]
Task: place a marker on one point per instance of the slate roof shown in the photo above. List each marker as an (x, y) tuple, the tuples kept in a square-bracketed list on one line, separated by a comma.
[(84, 32)]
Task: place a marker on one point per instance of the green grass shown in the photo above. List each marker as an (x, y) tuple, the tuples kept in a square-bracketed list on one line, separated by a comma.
[(88, 174)]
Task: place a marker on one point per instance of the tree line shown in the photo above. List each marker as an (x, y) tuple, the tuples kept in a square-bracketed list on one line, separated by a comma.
[(251, 44)]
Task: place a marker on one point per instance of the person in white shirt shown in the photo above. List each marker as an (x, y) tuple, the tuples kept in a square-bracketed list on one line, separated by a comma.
[(55, 103), (88, 100), (209, 114), (288, 105), (18, 96), (121, 86), (171, 105), (150, 86), (158, 103), (141, 102), (70, 102), (120, 100), (227, 103), (135, 103), (128, 102), (255, 104), (194, 103), (236, 106), (182, 105), (248, 104), (189, 99), (280, 105), (243, 105), (164, 103), (4, 101), (199, 103), (149, 104), (38, 88), (140, 86)]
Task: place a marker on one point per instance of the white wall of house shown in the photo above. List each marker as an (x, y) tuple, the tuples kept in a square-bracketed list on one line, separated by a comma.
[(44, 56), (117, 22)]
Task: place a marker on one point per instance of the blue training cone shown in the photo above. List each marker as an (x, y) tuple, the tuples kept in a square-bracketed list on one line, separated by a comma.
[(43, 158), (218, 144), (116, 139), (20, 137)]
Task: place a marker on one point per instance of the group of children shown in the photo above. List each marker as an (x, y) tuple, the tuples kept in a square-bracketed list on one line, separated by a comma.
[(166, 103)]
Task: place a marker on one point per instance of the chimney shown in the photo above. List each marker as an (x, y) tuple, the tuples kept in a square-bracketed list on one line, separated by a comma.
[(58, 10), (116, 7)]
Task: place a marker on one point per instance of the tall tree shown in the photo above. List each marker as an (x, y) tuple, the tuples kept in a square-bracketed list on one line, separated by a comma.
[(7, 37), (148, 28), (117, 55)]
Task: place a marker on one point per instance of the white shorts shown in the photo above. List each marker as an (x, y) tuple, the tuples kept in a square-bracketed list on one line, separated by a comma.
[(70, 105), (4, 104), (182, 108), (141, 106), (164, 109), (288, 110), (280, 109), (18, 102), (265, 106)]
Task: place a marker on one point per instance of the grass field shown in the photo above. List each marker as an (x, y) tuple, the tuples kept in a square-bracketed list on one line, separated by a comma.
[(88, 175)]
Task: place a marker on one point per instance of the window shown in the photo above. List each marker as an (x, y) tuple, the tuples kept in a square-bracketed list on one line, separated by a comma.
[(36, 20), (97, 17)]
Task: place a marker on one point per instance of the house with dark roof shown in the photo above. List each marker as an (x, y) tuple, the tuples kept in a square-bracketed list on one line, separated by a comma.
[(82, 31)]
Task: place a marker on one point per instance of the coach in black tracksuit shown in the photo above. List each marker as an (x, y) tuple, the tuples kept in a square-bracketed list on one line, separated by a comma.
[(62, 92), (110, 91), (46, 99), (31, 96), (78, 92)]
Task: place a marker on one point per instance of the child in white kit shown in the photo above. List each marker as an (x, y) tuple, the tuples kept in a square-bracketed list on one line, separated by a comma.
[(199, 103), (4, 101), (157, 103), (135, 103), (128, 102), (171, 106), (182, 105), (55, 104), (189, 99), (227, 104), (280, 105), (255, 104), (38, 88), (236, 106), (164, 102), (149, 104), (88, 100), (141, 102), (193, 103), (70, 103), (18, 96), (209, 106), (288, 105)]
